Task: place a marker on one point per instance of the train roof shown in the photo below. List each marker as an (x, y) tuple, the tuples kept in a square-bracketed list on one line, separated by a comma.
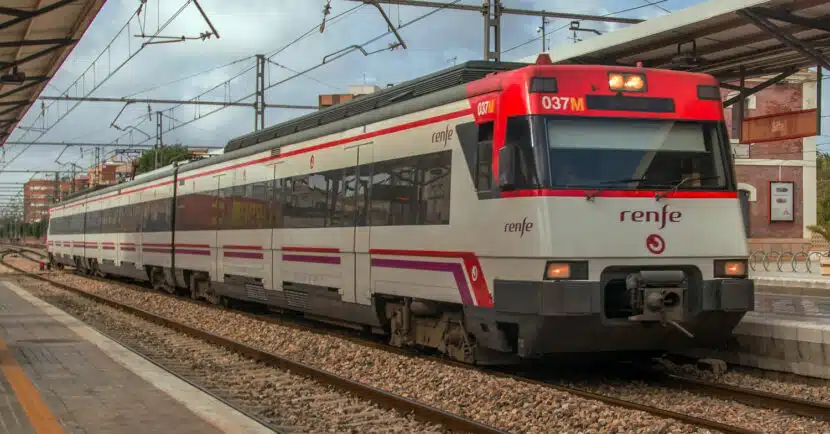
[(432, 90), (437, 81), (442, 87)]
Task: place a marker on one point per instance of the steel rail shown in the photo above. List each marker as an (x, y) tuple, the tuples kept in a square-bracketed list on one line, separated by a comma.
[(752, 397), (333, 330), (377, 396)]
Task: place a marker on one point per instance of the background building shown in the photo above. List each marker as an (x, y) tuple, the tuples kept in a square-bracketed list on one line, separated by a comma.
[(330, 99), (793, 160), (109, 173), (40, 194)]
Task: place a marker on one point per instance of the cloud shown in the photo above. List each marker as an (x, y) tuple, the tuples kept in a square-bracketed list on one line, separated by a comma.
[(254, 27)]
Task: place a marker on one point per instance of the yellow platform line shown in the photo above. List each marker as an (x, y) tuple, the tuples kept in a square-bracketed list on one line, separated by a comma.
[(40, 417)]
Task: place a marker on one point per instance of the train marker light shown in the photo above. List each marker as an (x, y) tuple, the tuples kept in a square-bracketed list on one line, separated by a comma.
[(626, 82), (557, 271), (731, 268)]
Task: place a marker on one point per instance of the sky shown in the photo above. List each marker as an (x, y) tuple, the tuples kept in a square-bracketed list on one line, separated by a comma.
[(111, 60)]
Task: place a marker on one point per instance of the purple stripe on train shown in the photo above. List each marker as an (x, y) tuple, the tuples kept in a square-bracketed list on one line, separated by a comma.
[(312, 259), (245, 255), (451, 267), (192, 252)]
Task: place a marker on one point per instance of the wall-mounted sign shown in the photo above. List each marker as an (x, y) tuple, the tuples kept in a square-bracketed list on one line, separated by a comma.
[(740, 150), (780, 126), (781, 196)]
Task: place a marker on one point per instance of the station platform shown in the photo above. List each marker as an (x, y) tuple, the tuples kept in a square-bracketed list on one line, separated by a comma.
[(61, 376), (789, 330)]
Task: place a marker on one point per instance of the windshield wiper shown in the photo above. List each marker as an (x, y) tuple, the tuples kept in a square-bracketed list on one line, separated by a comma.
[(593, 194), (682, 181)]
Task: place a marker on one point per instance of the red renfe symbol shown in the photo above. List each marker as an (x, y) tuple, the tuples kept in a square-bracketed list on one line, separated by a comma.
[(655, 244)]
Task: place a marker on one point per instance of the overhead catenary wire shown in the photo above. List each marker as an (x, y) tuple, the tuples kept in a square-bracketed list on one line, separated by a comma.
[(316, 27), (558, 29), (191, 76), (314, 67), (99, 84), (332, 21)]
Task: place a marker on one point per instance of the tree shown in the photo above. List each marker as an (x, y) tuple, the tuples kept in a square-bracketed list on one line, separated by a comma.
[(167, 155)]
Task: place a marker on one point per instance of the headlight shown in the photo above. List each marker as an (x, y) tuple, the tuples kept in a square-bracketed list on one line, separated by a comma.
[(555, 271), (566, 270), (624, 82), (730, 268)]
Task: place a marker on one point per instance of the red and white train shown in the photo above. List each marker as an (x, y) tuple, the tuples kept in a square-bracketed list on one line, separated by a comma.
[(493, 211)]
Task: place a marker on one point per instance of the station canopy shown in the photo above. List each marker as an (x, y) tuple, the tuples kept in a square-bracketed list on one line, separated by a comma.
[(729, 39), (36, 36)]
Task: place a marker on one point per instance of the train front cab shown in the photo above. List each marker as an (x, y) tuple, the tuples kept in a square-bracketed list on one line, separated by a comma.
[(602, 170)]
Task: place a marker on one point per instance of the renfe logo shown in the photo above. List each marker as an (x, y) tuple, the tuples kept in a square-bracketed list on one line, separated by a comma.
[(660, 217), (443, 136), (520, 227)]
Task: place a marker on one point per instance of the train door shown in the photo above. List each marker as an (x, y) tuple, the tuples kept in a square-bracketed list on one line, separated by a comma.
[(224, 190), (360, 182), (275, 201)]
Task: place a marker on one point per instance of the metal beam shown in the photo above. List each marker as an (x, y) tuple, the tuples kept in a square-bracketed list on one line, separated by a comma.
[(14, 12), (32, 42), (174, 101), (14, 103), (730, 86), (741, 42), (103, 145), (755, 56), (10, 110), (526, 12), (27, 16), (34, 56), (785, 38), (22, 87), (34, 171), (755, 89), (787, 17)]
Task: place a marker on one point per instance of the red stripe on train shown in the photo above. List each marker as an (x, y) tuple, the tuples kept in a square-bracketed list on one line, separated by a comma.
[(310, 249), (390, 130), (622, 193)]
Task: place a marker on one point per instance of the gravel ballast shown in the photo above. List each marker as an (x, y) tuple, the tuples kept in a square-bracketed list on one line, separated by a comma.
[(289, 403), (503, 402)]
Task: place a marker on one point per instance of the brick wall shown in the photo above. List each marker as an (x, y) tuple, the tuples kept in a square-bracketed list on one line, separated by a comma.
[(779, 98), (759, 224)]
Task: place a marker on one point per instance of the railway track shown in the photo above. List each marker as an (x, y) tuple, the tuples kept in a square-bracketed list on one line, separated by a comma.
[(749, 397), (254, 358), (755, 398)]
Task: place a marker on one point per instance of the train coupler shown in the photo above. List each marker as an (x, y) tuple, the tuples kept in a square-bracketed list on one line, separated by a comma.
[(658, 296)]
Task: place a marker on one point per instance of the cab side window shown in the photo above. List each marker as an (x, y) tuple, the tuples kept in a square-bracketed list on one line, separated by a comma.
[(519, 134), (484, 158)]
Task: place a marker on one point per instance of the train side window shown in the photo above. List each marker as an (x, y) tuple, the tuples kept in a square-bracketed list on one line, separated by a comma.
[(276, 202), (518, 133), (335, 205), (363, 194), (484, 157), (412, 190)]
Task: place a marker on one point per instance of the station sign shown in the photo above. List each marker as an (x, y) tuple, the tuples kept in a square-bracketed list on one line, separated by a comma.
[(780, 126), (781, 198)]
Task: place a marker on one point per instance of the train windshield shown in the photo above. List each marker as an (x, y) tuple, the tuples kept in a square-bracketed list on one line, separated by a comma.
[(634, 153)]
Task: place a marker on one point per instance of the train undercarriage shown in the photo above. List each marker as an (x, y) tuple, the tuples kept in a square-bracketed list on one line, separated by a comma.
[(638, 317)]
